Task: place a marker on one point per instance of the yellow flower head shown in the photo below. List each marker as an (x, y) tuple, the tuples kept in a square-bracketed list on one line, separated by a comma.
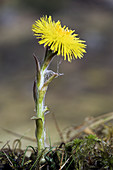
[(59, 39)]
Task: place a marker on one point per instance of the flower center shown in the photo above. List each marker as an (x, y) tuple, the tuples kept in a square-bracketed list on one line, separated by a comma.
[(61, 31)]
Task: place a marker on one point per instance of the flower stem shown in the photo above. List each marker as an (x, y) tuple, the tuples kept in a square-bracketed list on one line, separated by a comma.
[(43, 78), (40, 131)]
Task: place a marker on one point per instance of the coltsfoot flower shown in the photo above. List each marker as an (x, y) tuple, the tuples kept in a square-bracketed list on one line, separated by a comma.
[(59, 39)]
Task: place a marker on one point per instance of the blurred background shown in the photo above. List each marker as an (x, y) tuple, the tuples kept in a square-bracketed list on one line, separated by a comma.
[(86, 89)]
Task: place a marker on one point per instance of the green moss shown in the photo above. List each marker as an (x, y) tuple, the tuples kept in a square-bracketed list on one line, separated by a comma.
[(86, 153)]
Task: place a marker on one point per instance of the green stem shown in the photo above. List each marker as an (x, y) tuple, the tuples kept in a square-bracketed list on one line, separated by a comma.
[(40, 87), (41, 95), (40, 131), (40, 134)]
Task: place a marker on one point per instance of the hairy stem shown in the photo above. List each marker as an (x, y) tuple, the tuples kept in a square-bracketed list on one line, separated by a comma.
[(43, 78), (40, 131)]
